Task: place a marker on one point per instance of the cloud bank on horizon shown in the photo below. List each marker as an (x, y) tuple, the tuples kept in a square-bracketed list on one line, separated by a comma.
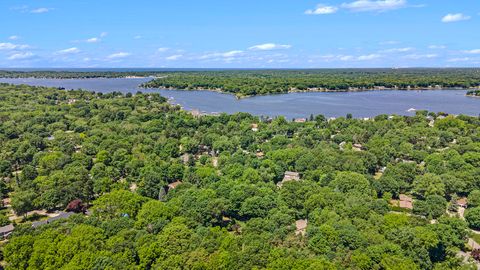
[(247, 34)]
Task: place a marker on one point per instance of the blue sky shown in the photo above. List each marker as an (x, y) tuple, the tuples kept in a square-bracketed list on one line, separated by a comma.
[(240, 34)]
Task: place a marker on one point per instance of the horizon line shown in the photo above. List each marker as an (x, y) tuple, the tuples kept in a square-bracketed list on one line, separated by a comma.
[(221, 68)]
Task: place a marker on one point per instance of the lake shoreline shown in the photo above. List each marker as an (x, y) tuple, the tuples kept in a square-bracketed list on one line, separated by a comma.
[(240, 96), (237, 96), (297, 104)]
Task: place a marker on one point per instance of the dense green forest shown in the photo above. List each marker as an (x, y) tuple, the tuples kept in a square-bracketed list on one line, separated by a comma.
[(167, 190), (259, 82)]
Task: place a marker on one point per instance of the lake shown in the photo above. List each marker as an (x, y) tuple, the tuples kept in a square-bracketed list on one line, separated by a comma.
[(293, 105)]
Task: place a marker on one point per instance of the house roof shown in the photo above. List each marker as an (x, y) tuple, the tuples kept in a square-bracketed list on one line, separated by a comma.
[(406, 198), (293, 174), (300, 120), (52, 219), (6, 229), (405, 201), (60, 216), (174, 185), (185, 158), (289, 176), (39, 223), (462, 201), (301, 224), (406, 204)]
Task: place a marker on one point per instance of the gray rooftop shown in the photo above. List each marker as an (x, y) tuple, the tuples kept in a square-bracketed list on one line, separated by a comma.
[(6, 229)]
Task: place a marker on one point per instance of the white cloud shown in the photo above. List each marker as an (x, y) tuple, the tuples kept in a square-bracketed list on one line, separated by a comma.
[(342, 57), (7, 46), (93, 40), (229, 54), (163, 49), (137, 37), (455, 17), (21, 56), (389, 42), (269, 47), (334, 57), (437, 47), (27, 9), (476, 51), (174, 57), (345, 57), (379, 5), (321, 10), (420, 56), (72, 50), (368, 57), (280, 61), (399, 50), (21, 8), (97, 39), (40, 10), (463, 59), (118, 55), (13, 37), (10, 46), (360, 6)]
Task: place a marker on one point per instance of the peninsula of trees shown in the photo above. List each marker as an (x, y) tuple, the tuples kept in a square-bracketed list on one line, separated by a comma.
[(155, 187), (244, 83), (261, 82)]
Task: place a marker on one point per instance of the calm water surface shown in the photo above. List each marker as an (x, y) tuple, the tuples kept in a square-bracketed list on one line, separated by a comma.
[(360, 104)]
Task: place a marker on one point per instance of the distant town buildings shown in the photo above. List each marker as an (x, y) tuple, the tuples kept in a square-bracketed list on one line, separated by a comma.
[(300, 120), (195, 113), (71, 101)]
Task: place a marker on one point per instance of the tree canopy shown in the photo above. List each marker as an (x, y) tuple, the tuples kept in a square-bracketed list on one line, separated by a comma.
[(167, 190)]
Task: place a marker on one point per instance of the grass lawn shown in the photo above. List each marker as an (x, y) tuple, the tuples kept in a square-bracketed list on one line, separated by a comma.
[(476, 237)]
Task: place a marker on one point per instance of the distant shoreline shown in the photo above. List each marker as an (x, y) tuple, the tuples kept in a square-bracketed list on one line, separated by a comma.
[(80, 78), (240, 96)]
